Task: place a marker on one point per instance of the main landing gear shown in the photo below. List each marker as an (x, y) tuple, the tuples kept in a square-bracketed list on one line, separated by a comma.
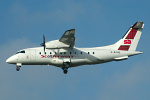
[(65, 68)]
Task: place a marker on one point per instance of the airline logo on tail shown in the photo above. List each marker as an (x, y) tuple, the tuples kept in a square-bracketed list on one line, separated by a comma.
[(127, 41)]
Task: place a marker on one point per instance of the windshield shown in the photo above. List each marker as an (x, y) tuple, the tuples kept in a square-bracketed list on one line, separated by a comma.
[(23, 51)]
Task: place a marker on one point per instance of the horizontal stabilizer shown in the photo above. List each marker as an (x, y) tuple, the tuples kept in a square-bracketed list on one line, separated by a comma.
[(121, 58)]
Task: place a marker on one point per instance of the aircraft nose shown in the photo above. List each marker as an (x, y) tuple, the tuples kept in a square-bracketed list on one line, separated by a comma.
[(11, 60), (8, 60)]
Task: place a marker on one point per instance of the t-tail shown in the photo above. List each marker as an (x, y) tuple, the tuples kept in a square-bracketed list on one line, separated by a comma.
[(130, 40)]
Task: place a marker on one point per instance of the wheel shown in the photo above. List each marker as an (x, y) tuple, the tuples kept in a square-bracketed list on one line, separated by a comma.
[(65, 71), (18, 68), (66, 66)]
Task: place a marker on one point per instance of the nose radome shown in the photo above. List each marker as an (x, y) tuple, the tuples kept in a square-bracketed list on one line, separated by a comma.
[(11, 59), (8, 60)]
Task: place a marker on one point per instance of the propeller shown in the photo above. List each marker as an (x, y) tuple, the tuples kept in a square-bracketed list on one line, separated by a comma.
[(43, 44)]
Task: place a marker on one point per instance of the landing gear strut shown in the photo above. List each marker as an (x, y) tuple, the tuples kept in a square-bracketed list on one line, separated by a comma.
[(65, 68)]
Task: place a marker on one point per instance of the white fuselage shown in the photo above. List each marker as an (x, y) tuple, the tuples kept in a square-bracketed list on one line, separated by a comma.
[(76, 56)]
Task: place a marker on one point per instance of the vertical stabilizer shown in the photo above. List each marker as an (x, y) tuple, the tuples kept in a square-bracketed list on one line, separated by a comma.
[(131, 38)]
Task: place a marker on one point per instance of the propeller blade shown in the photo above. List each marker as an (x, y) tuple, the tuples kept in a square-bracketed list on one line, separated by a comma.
[(43, 39), (43, 44)]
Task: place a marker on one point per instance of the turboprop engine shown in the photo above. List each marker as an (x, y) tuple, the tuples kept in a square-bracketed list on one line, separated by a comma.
[(55, 44)]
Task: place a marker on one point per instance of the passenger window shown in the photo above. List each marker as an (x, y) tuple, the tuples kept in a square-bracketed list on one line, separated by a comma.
[(50, 53), (88, 53), (81, 52), (70, 53), (64, 52), (39, 52), (45, 52), (74, 52), (60, 52), (55, 53), (93, 52)]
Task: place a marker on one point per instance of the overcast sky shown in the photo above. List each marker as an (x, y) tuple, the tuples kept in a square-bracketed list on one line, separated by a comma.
[(97, 23)]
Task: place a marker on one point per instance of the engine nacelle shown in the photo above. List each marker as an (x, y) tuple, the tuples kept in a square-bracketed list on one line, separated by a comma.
[(55, 44)]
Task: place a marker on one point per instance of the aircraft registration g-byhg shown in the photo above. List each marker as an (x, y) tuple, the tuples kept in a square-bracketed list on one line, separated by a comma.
[(62, 53)]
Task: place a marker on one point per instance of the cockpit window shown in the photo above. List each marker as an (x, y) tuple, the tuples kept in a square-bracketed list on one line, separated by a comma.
[(23, 51)]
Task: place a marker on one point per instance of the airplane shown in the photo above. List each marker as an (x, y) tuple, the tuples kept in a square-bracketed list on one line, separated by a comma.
[(62, 53)]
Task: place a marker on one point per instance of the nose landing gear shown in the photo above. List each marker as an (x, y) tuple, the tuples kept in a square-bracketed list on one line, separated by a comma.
[(18, 65), (18, 68)]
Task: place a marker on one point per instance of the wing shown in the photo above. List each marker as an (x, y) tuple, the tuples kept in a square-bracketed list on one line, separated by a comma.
[(68, 38)]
